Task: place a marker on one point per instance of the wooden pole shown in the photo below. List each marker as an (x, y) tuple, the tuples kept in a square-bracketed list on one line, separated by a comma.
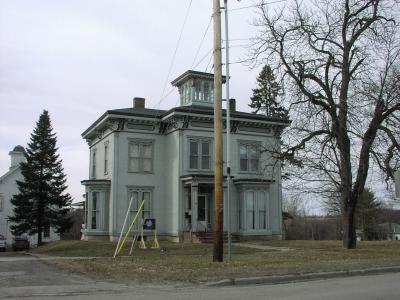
[(218, 159), (228, 132)]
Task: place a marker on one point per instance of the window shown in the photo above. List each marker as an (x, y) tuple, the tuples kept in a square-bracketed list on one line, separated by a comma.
[(46, 231), (86, 209), (106, 158), (94, 164), (197, 91), (137, 196), (207, 92), (200, 154), (249, 155), (140, 156), (261, 211), (250, 210), (1, 202), (95, 210), (253, 210)]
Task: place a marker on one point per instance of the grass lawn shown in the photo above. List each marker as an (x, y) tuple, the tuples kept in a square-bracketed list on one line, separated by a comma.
[(192, 263)]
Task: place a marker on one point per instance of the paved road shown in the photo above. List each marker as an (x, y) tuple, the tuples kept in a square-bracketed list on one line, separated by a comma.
[(24, 277)]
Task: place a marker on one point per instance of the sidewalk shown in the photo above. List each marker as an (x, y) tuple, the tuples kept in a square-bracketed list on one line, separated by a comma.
[(263, 247), (269, 280)]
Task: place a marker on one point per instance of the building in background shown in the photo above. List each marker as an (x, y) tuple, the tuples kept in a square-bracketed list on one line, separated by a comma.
[(166, 158), (9, 188)]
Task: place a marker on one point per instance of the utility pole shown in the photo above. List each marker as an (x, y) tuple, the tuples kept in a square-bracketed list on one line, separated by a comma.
[(218, 157), (228, 132)]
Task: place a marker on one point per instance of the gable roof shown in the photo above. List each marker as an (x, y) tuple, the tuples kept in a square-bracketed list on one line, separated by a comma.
[(11, 171)]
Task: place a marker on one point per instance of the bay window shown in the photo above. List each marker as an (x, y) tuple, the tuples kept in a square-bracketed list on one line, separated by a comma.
[(95, 210), (253, 214)]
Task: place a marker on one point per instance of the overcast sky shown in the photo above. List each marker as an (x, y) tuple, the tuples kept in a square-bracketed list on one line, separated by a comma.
[(77, 59)]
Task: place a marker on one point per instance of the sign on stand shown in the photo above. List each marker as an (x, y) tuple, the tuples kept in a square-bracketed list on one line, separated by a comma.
[(150, 225), (144, 224)]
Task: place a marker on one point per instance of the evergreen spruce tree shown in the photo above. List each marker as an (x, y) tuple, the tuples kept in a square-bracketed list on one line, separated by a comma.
[(367, 212), (42, 201), (265, 96)]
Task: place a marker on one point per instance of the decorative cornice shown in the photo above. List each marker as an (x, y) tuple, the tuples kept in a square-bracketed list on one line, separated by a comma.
[(252, 181), (96, 182)]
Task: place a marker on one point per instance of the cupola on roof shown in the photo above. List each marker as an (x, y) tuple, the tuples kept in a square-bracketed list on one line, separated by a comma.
[(196, 88), (19, 148)]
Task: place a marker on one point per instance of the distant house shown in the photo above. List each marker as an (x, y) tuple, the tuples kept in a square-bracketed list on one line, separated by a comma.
[(389, 231), (166, 158), (8, 188)]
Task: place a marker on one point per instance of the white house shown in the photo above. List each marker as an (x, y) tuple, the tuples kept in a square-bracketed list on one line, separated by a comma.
[(8, 188), (166, 158)]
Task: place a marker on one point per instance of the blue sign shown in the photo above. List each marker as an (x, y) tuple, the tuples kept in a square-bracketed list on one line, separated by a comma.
[(149, 224)]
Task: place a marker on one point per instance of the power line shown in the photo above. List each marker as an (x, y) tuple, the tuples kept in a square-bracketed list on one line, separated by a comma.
[(238, 39), (201, 43), (204, 57), (258, 5), (240, 61), (174, 55), (211, 57), (167, 94)]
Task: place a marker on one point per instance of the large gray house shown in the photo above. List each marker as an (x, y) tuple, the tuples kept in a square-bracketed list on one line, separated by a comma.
[(166, 158)]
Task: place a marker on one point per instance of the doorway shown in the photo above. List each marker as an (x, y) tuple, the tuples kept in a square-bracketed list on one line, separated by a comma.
[(204, 209)]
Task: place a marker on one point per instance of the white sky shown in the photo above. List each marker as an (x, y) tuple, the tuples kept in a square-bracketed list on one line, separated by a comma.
[(78, 58)]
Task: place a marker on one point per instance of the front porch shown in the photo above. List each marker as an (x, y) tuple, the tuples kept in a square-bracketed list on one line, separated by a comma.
[(198, 208)]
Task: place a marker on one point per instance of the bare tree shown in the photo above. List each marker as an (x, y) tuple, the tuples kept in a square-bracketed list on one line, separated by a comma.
[(338, 60)]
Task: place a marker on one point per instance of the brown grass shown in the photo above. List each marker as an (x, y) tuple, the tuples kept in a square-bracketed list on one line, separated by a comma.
[(185, 263)]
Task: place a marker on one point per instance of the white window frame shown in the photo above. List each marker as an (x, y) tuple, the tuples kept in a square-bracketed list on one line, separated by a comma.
[(141, 158), (260, 196), (147, 211), (95, 211), (200, 155), (94, 163), (46, 231), (248, 145)]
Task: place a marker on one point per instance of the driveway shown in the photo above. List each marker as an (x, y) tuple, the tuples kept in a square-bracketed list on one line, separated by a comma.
[(22, 275)]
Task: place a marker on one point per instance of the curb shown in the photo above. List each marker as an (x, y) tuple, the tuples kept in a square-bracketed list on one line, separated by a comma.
[(269, 280)]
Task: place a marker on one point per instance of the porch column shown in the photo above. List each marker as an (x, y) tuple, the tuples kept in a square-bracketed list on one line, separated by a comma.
[(194, 191)]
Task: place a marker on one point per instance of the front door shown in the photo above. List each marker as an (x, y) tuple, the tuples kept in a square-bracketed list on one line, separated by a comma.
[(204, 212)]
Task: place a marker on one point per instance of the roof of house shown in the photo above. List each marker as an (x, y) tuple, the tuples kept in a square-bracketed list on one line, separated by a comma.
[(190, 109), (8, 173), (194, 74), (195, 109), (19, 148), (391, 227), (138, 111)]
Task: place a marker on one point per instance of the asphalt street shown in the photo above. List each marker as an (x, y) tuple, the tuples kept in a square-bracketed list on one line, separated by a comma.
[(26, 277)]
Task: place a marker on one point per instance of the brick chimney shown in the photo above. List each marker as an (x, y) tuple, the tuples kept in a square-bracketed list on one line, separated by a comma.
[(139, 102), (232, 104)]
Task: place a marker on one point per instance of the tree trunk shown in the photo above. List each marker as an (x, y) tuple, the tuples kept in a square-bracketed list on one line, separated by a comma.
[(349, 227)]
